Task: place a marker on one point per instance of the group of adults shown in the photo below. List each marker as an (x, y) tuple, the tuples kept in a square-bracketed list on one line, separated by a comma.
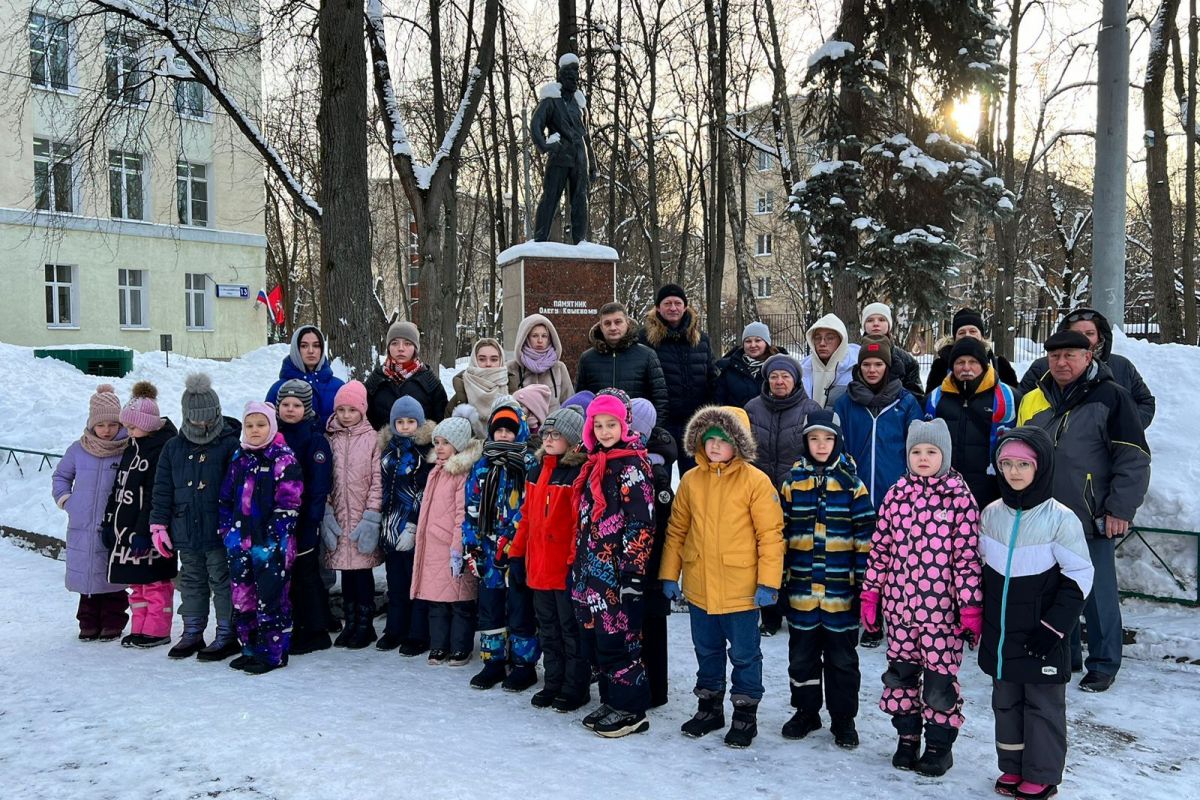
[(1092, 401)]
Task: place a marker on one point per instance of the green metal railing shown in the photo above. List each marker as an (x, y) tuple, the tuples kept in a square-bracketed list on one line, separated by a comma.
[(14, 454), (1136, 533)]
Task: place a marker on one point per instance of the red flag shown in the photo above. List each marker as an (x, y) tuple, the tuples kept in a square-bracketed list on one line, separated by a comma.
[(273, 301)]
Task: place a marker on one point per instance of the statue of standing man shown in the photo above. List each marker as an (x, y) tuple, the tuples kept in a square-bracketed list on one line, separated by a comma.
[(560, 131)]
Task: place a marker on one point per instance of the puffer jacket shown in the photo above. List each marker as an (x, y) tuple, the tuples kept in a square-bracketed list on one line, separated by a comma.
[(777, 424), (829, 522), (877, 441), (686, 358), (260, 495), (310, 447), (629, 366), (726, 528), (439, 531), (406, 463), (558, 377), (187, 487), (1102, 461), (941, 366), (128, 511), (546, 532), (423, 386), (1123, 370), (924, 560), (736, 383), (975, 412), (86, 481), (322, 380), (490, 548), (1036, 570), (357, 489)]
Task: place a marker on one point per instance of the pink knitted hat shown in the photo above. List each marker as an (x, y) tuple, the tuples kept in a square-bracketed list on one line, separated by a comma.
[(268, 411), (353, 394), (609, 404), (535, 398), (103, 406), (142, 409)]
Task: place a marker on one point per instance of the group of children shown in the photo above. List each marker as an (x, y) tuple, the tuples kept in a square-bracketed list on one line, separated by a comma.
[(571, 554)]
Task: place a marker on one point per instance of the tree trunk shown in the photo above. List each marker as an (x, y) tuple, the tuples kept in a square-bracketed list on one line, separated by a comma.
[(1189, 224), (1158, 188), (1006, 229), (717, 22), (347, 302), (568, 28), (852, 28)]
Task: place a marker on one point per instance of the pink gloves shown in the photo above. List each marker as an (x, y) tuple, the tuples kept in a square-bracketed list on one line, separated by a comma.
[(161, 540), (869, 610), (970, 624)]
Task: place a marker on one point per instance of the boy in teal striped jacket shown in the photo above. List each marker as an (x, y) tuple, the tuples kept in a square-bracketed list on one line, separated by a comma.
[(829, 520)]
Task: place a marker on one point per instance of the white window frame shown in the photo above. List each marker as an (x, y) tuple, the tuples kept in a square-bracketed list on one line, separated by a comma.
[(130, 171), (763, 245), (192, 294), (187, 185), (197, 92), (133, 297), (54, 286), (765, 160), (121, 59), (54, 158), (51, 32), (764, 202), (762, 287)]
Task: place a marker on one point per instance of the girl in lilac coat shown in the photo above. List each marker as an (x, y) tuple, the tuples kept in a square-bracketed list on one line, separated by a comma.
[(83, 482), (925, 572)]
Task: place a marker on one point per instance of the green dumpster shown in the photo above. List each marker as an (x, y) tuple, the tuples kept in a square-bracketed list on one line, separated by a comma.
[(112, 362)]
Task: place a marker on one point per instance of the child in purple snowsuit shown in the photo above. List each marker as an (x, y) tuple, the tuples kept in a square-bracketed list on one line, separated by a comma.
[(259, 506), (83, 481), (925, 574)]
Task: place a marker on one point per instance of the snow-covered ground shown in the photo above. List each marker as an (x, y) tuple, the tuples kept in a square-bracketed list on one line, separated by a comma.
[(95, 721)]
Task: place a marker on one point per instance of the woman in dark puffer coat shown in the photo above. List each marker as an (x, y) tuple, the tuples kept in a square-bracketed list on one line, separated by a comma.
[(740, 375)]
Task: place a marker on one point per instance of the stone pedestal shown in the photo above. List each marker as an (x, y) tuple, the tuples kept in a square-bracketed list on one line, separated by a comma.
[(566, 283)]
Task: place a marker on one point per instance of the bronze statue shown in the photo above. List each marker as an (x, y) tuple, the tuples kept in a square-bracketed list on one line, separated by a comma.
[(560, 131)]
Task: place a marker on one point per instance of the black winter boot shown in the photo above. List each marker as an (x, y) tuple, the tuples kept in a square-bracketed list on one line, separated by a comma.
[(801, 724), (710, 714), (937, 758), (349, 624), (906, 753), (492, 673), (364, 631), (844, 733), (744, 727), (520, 678)]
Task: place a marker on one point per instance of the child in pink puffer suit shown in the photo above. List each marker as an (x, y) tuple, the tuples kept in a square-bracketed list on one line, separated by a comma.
[(924, 568)]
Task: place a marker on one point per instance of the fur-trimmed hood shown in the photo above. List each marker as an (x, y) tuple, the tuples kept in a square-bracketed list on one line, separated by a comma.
[(657, 330), (730, 419), (423, 437), (571, 458), (596, 337), (461, 463)]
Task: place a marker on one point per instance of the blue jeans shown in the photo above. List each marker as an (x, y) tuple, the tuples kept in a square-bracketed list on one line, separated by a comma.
[(710, 634), (1102, 612)]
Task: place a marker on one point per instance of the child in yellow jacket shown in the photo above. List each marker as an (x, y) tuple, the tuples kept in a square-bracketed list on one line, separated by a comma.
[(726, 535)]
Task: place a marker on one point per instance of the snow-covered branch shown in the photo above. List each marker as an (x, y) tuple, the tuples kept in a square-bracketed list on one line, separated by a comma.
[(203, 73)]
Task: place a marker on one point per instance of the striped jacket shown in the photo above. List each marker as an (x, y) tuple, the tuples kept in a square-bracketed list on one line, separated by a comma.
[(828, 524), (1035, 568)]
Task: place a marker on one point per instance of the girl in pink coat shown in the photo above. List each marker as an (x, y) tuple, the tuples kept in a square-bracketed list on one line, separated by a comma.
[(924, 569), (350, 529), (438, 574)]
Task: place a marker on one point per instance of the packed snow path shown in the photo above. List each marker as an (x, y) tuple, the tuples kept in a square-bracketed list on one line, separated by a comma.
[(90, 721)]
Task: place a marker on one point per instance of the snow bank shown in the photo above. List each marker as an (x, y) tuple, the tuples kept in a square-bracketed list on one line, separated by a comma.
[(587, 251)]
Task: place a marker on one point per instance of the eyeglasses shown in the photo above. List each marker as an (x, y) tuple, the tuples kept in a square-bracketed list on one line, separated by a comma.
[(1081, 316), (1009, 465), (826, 337)]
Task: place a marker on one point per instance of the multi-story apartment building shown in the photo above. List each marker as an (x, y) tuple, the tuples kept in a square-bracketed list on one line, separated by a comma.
[(130, 205)]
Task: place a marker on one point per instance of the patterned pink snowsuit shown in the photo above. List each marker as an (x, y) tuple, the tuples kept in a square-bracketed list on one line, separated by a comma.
[(925, 565)]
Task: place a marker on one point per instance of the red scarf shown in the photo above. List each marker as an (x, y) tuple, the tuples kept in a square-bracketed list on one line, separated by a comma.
[(592, 475), (400, 371)]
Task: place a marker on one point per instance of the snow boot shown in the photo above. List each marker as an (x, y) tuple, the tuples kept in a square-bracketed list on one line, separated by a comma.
[(844, 733), (492, 673), (108, 634), (437, 658), (222, 647), (1096, 682), (564, 704), (241, 662), (89, 635), (1028, 790), (146, 642), (744, 727), (522, 677), (257, 667), (709, 716), (801, 724), (389, 641), (309, 641), (411, 648), (619, 723), (600, 713), (1007, 784), (349, 625), (938, 757), (192, 641), (544, 698), (906, 753), (364, 631), (460, 659)]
